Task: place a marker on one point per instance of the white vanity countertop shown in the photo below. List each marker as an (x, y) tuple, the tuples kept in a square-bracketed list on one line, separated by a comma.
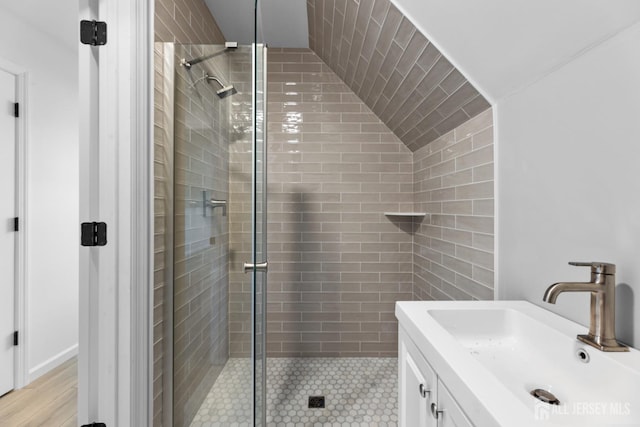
[(490, 374)]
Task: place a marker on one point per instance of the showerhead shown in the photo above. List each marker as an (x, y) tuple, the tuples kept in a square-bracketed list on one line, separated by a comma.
[(224, 91), (227, 91)]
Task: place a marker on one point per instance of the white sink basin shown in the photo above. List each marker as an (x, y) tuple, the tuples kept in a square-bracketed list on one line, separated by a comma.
[(498, 352)]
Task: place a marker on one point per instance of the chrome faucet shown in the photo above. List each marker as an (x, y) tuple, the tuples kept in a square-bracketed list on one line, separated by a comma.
[(602, 330)]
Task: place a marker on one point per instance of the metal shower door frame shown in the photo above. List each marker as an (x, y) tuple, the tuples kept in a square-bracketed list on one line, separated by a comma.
[(259, 266)]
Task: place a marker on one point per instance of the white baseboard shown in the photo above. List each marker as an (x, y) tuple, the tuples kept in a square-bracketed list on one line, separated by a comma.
[(54, 362)]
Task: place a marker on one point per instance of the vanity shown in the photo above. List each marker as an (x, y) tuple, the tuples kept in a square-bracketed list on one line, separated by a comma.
[(508, 363)]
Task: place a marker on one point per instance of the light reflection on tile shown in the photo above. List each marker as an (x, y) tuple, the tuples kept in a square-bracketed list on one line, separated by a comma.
[(293, 117)]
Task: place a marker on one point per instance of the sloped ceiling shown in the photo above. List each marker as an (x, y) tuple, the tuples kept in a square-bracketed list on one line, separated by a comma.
[(393, 68), (505, 45), (376, 51), (501, 46)]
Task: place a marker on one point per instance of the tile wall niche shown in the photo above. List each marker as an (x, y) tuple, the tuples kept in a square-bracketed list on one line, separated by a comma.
[(336, 263), (453, 183), (182, 22)]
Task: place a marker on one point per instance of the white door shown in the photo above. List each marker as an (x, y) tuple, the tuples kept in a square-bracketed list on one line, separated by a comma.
[(7, 233)]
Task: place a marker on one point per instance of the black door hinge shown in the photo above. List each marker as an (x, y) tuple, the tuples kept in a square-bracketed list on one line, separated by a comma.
[(95, 425), (15, 338), (16, 109), (93, 33), (16, 224), (93, 234)]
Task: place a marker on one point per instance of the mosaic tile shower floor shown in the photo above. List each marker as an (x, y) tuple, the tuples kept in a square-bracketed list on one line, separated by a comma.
[(358, 391)]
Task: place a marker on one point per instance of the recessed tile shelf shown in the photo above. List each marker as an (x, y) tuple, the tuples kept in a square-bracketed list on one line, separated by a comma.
[(405, 213)]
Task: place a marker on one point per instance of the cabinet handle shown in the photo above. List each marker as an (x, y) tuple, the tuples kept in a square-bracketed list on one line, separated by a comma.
[(434, 411), (423, 390)]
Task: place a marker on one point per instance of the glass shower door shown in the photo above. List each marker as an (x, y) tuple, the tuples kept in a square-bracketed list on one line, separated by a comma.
[(258, 265), (214, 193)]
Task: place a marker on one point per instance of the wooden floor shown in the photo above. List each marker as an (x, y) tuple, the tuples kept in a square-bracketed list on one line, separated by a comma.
[(48, 401)]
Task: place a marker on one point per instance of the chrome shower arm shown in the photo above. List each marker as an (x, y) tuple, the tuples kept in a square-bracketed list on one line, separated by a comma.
[(188, 63)]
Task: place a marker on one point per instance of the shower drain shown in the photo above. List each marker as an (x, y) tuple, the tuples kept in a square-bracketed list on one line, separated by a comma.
[(316, 401)]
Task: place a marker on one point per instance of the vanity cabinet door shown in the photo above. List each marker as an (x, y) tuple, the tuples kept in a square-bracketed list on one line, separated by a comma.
[(416, 403), (417, 388), (447, 411)]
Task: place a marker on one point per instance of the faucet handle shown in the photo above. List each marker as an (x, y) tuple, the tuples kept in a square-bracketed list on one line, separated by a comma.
[(597, 267)]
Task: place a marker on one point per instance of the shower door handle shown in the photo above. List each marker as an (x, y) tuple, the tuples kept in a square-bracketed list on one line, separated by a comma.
[(261, 266)]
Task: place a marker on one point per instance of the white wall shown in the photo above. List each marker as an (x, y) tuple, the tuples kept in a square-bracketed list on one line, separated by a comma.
[(568, 160), (52, 222)]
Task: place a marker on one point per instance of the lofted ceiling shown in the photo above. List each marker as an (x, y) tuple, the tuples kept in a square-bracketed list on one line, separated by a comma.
[(430, 74), (376, 51), (500, 46)]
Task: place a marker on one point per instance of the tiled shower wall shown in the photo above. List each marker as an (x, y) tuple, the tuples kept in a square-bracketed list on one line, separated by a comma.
[(453, 246), (393, 68), (186, 21), (201, 254), (337, 264)]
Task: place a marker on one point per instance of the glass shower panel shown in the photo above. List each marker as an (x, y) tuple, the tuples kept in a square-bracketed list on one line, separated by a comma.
[(203, 315), (214, 102), (259, 228)]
